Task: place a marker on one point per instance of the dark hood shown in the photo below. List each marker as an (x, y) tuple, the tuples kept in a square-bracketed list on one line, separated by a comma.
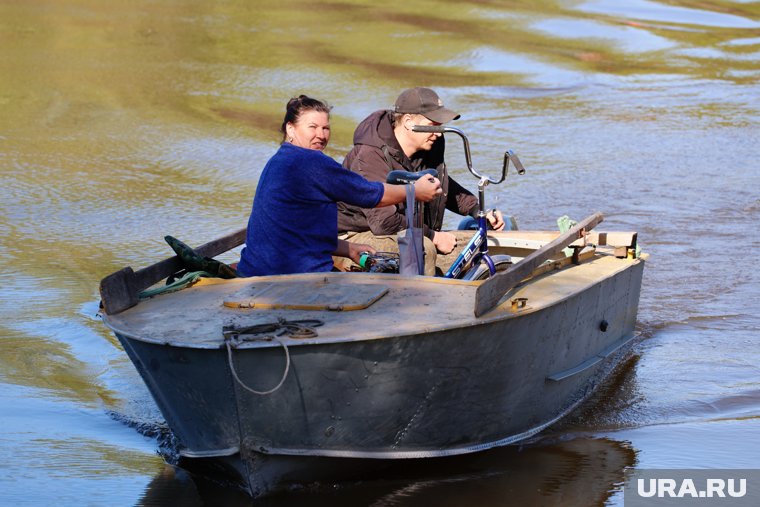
[(376, 130)]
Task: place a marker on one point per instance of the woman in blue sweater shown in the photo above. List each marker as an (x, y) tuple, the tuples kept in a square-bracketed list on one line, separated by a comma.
[(293, 226)]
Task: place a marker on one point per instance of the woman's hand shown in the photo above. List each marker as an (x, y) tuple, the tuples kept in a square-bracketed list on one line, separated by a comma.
[(352, 250), (427, 188)]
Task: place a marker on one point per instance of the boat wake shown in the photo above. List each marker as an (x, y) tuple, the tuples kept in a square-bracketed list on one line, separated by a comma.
[(168, 446)]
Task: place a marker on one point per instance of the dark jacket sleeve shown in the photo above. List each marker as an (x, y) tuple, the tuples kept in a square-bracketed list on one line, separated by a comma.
[(370, 162), (460, 200)]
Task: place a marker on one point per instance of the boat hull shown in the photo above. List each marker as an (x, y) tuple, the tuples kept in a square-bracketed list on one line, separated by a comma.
[(435, 393)]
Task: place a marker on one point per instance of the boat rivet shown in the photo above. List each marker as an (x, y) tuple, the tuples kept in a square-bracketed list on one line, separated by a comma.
[(375, 363), (329, 431), (603, 325)]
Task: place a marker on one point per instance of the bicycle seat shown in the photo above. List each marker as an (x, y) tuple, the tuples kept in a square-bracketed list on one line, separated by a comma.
[(399, 177)]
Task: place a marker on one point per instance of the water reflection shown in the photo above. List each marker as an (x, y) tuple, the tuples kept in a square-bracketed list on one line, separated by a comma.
[(489, 59), (580, 472), (126, 121), (658, 12), (631, 39)]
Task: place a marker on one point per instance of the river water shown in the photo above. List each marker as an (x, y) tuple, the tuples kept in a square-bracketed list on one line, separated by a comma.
[(124, 121)]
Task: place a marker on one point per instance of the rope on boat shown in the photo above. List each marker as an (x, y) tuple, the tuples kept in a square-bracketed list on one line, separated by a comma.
[(268, 332), (261, 393)]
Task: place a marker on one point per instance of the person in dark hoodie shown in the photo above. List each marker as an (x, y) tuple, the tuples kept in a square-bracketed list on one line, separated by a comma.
[(383, 142)]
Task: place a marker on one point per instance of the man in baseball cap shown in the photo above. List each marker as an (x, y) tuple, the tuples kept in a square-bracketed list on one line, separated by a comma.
[(426, 102), (385, 141)]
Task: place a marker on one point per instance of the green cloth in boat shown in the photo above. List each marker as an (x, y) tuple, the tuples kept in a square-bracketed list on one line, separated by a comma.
[(195, 267), (186, 280), (194, 262), (565, 223)]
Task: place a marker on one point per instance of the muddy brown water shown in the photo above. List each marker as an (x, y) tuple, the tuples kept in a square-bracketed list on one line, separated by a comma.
[(125, 121)]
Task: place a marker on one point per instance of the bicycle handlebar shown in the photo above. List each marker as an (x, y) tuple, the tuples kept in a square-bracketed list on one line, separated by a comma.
[(431, 129), (508, 155)]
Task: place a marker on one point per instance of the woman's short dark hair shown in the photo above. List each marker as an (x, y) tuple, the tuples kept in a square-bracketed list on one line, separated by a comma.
[(299, 105)]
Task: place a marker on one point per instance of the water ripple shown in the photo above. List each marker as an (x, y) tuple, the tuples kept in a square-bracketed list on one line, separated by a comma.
[(653, 11)]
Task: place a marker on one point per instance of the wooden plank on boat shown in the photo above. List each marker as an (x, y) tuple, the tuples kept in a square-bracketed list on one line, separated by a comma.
[(616, 239), (312, 295), (119, 290), (528, 239), (492, 290), (223, 244)]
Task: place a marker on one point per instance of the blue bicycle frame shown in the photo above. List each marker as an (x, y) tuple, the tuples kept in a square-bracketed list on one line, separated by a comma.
[(476, 251)]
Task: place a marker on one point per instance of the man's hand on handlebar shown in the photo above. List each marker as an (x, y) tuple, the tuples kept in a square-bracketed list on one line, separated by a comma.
[(496, 219), (427, 188)]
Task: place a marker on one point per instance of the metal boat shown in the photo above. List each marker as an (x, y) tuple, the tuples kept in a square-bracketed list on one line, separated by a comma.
[(287, 378)]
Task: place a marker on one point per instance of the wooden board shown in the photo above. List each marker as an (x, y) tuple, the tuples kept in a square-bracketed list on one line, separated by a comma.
[(493, 289), (536, 239), (312, 295)]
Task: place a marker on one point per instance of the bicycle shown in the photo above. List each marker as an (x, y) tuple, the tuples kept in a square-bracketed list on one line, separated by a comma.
[(474, 262)]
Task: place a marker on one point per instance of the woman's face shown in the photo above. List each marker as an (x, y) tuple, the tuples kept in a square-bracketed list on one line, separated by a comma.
[(311, 130)]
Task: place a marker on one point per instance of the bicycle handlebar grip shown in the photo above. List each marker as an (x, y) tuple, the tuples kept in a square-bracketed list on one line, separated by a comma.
[(399, 177), (518, 165), (430, 129)]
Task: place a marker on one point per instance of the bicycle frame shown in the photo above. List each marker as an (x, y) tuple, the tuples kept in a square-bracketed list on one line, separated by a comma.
[(476, 250)]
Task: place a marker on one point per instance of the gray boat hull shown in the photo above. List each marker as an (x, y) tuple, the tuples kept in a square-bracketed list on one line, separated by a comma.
[(435, 393)]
